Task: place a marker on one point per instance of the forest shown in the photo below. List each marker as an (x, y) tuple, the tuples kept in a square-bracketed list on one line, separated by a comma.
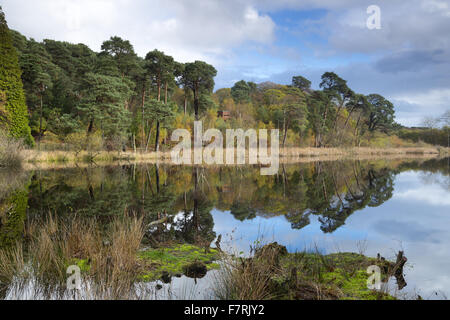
[(61, 96)]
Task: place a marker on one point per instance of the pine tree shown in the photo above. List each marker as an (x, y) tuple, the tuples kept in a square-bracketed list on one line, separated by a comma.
[(11, 86)]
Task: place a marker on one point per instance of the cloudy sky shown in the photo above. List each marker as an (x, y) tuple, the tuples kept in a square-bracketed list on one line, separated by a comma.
[(407, 60)]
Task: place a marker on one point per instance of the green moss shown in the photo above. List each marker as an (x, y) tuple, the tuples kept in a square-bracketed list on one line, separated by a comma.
[(83, 264), (342, 275), (173, 259)]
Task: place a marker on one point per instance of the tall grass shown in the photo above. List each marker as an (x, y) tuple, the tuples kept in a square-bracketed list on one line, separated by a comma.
[(107, 257), (10, 151), (271, 273), (247, 278)]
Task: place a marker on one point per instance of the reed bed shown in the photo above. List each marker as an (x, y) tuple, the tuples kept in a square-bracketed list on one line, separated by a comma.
[(11, 149), (107, 257)]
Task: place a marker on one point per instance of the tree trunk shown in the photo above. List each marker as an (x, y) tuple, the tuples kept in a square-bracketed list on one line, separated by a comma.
[(196, 104), (165, 93), (286, 127), (40, 123), (148, 138), (345, 125), (157, 123), (90, 127), (159, 90), (337, 115), (157, 137), (143, 118), (356, 129), (348, 118), (157, 177)]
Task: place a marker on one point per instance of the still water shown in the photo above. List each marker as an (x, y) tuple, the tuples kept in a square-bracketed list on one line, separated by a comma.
[(370, 207)]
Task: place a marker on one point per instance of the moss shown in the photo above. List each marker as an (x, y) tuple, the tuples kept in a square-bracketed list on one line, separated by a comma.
[(83, 264), (339, 276), (173, 259)]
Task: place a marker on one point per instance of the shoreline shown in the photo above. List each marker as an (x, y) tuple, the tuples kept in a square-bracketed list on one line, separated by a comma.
[(33, 159)]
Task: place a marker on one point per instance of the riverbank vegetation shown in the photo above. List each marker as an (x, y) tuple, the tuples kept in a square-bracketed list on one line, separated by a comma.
[(105, 253), (271, 273), (11, 155), (67, 97), (128, 226), (115, 263), (287, 155)]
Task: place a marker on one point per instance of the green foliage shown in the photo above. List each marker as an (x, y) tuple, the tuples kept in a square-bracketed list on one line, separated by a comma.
[(160, 68), (81, 141), (241, 92), (381, 115), (158, 111), (103, 104), (336, 88), (70, 88), (123, 54), (173, 260), (11, 86), (321, 115), (301, 83), (12, 216), (435, 136), (199, 77)]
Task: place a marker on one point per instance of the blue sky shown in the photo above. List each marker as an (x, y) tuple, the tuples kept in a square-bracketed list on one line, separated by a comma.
[(407, 60)]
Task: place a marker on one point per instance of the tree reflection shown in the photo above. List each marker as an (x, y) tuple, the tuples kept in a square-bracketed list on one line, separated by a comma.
[(185, 196)]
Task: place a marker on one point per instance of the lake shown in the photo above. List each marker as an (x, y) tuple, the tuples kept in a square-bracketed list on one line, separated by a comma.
[(379, 206)]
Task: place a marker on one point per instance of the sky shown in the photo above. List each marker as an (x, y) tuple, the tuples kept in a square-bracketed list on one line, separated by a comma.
[(407, 60)]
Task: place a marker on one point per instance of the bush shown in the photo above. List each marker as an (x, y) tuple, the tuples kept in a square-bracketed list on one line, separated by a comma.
[(80, 141), (10, 151)]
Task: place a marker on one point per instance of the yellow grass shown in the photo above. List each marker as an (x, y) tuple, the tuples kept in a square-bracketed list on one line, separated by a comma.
[(34, 159)]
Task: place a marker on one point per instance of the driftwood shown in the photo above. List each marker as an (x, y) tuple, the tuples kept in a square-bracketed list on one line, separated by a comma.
[(153, 223), (159, 221), (219, 238), (398, 270)]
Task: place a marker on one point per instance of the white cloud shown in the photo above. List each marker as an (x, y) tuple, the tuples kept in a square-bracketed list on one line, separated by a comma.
[(188, 30), (432, 195), (416, 106), (404, 24), (434, 98), (408, 58)]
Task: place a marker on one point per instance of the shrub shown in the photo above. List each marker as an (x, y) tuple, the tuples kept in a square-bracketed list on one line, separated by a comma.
[(80, 141)]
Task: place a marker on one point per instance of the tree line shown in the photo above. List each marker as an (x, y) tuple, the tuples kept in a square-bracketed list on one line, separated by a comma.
[(114, 99), (434, 130)]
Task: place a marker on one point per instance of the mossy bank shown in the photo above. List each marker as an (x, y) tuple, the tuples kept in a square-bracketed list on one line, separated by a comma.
[(274, 274)]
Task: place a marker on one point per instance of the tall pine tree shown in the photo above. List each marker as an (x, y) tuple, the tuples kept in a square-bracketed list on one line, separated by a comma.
[(11, 87)]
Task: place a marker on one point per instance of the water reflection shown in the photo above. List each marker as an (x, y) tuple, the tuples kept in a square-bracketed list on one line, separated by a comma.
[(331, 191), (305, 203)]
